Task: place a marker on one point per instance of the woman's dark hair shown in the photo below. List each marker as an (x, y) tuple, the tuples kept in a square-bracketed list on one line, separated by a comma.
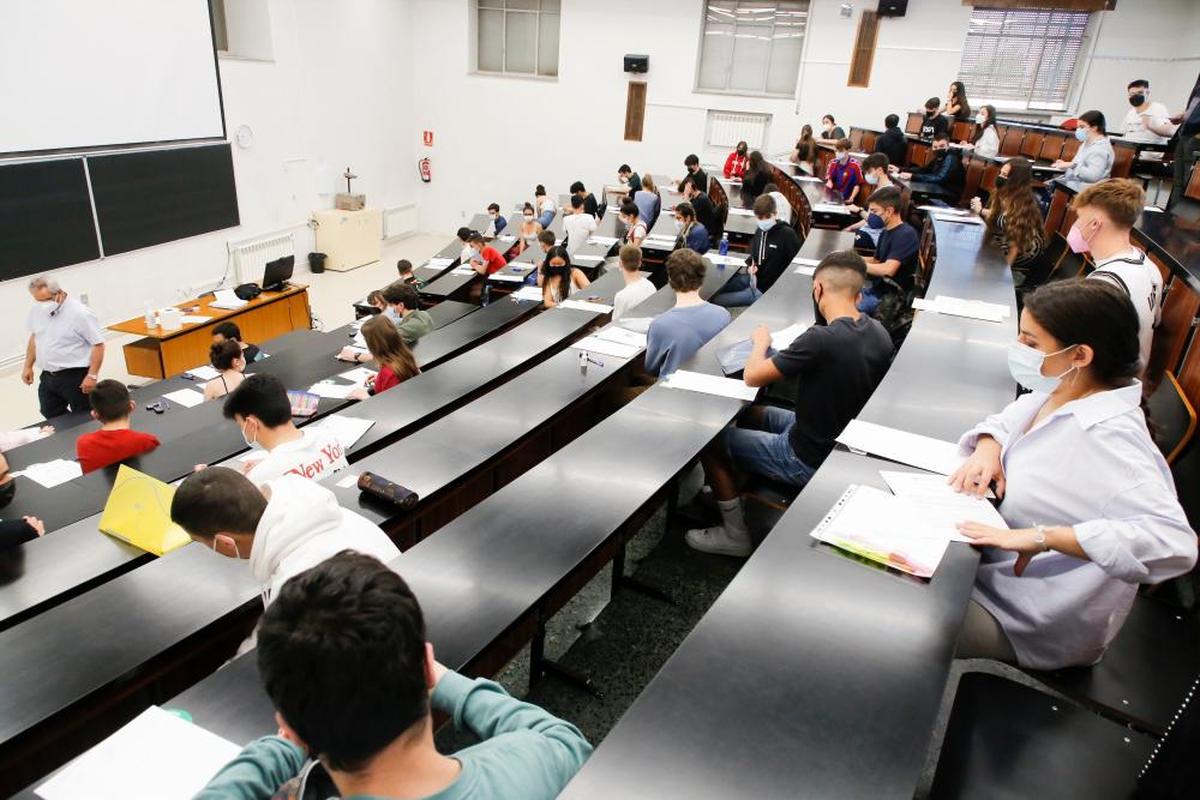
[(1095, 119), (558, 275), (1095, 313), (1016, 202), (685, 210), (991, 121), (806, 147), (960, 92), (539, 191), (224, 354), (527, 207)]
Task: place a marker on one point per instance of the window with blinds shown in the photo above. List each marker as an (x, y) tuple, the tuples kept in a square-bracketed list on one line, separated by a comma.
[(752, 46), (517, 37), (1022, 57)]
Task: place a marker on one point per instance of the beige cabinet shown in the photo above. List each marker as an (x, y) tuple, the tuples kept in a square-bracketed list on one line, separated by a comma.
[(350, 239)]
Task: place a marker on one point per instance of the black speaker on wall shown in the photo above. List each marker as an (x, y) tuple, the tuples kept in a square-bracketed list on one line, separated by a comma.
[(893, 8), (636, 63)]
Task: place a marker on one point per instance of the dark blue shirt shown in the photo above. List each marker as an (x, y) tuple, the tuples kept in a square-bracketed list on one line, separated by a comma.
[(901, 243)]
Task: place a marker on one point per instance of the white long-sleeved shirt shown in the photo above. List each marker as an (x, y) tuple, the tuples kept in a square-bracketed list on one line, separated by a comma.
[(1093, 162), (1091, 464), (989, 142)]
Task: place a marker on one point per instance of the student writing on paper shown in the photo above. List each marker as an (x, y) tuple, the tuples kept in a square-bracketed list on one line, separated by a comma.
[(772, 249), (404, 267), (675, 336), (529, 230), (637, 288), (688, 232), (282, 527), (546, 241), (230, 330), (579, 224), (757, 176), (867, 229), (342, 654), (635, 228), (706, 212), (837, 363), (116, 440), (412, 322), (1015, 222), (1088, 496), (15, 531), (1093, 160), (560, 278), (229, 360), (591, 206), (498, 222), (388, 349), (484, 258), (263, 414), (628, 178), (695, 175)]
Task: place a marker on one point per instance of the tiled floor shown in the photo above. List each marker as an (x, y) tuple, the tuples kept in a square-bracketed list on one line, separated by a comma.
[(330, 295)]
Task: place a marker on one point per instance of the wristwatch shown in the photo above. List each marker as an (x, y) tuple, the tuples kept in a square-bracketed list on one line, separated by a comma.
[(1039, 537)]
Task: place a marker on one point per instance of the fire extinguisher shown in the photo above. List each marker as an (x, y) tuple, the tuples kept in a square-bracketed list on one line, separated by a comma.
[(426, 170)]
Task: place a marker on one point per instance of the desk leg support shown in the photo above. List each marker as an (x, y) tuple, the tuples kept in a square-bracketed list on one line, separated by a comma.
[(541, 667), (622, 581)]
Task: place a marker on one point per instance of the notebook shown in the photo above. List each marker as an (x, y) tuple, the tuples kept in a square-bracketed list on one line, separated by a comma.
[(304, 404), (138, 511)]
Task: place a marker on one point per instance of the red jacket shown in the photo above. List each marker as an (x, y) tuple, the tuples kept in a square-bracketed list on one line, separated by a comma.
[(99, 449), (735, 165)]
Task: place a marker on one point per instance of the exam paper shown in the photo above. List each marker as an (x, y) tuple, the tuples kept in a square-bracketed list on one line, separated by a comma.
[(958, 307), (463, 271), (808, 262), (439, 263), (586, 259), (742, 212), (507, 277), (156, 756), (636, 324), (583, 305), (605, 347), (358, 375), (913, 449), (947, 217), (945, 210), (203, 373), (336, 391), (533, 293), (829, 208), (943, 507), (710, 384), (225, 298), (727, 260), (185, 397), (347, 430), (782, 339), (615, 333), (52, 473), (194, 319), (605, 240)]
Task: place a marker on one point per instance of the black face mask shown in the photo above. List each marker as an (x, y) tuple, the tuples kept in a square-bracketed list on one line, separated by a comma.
[(1137, 99), (741, 151), (1000, 181), (7, 492), (820, 319)]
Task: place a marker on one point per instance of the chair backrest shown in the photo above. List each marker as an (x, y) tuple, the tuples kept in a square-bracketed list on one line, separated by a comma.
[(962, 130), (1052, 148), (974, 168), (1070, 146), (1193, 184), (856, 137), (1172, 416), (1175, 330), (1068, 264), (1010, 139), (1124, 154), (914, 122), (1031, 144)]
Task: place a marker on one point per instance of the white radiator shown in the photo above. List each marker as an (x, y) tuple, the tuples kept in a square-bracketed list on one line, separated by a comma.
[(400, 220), (726, 129), (251, 256)]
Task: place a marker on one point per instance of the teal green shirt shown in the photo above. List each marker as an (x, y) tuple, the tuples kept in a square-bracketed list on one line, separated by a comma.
[(525, 752), (415, 324)]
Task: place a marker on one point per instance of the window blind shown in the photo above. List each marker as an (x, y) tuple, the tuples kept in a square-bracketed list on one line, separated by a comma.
[(752, 46)]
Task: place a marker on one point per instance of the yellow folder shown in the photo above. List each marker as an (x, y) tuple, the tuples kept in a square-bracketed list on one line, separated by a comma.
[(138, 511)]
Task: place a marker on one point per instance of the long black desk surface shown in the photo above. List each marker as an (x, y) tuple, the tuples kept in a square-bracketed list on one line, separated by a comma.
[(814, 675)]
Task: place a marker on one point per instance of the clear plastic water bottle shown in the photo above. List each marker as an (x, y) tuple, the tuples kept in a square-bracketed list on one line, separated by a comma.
[(486, 297), (149, 315), (724, 248)]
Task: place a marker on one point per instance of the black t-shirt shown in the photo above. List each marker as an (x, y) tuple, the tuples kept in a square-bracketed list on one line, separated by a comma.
[(893, 145), (706, 214), (932, 126), (838, 365), (901, 243), (699, 179), (773, 250), (589, 204), (753, 183)]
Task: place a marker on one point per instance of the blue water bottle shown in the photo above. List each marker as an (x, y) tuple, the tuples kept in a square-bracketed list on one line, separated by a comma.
[(724, 249)]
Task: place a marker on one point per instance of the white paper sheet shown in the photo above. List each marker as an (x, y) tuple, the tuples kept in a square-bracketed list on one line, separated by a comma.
[(808, 262), (157, 756), (615, 333), (358, 375), (203, 373), (336, 391), (359, 342), (941, 504), (935, 455), (195, 319), (728, 260), (225, 298), (958, 307), (605, 240), (804, 269), (583, 305), (782, 339), (185, 397), (604, 347), (348, 481), (829, 208), (507, 277), (347, 430), (710, 384), (959, 212), (742, 212), (533, 293), (463, 271), (583, 258), (52, 473), (944, 217), (439, 263), (636, 324)]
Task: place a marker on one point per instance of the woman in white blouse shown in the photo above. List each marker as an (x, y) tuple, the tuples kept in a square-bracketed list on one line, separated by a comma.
[(986, 141), (1093, 160), (1088, 497)]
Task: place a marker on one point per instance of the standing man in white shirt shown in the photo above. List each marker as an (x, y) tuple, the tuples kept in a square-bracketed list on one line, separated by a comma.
[(578, 225), (1106, 213), (66, 341), (637, 288), (1147, 121), (261, 409)]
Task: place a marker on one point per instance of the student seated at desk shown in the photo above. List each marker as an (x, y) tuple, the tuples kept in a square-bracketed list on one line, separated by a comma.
[(945, 169), (783, 206), (875, 176), (637, 287), (676, 335), (404, 272), (628, 178), (648, 201), (343, 656), (1088, 496), (805, 151), (579, 225), (546, 241), (529, 230), (893, 268), (695, 175), (590, 205), (498, 223), (736, 163), (986, 141), (282, 526), (1093, 160), (772, 249), (956, 105), (11, 439), (933, 123), (116, 440), (390, 351), (484, 258), (545, 206), (706, 212), (560, 279), (635, 228), (404, 304), (892, 142), (263, 414), (844, 175), (1147, 121), (757, 177), (228, 360), (464, 236), (15, 531), (1105, 213), (1015, 221), (688, 232), (838, 362), (831, 132), (230, 330)]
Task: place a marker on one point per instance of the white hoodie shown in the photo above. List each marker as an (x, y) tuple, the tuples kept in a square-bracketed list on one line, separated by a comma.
[(304, 525)]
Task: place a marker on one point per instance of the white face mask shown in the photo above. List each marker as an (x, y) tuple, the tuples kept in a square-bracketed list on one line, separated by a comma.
[(766, 224), (1025, 366), (678, 226), (529, 217), (251, 443)]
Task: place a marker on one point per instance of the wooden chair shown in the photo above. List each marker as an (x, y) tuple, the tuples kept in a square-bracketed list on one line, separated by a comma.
[(1173, 419), (1031, 144), (1124, 154), (914, 122), (974, 169), (1175, 330), (856, 137), (1070, 147), (1052, 148), (1192, 189), (1010, 140), (962, 130)]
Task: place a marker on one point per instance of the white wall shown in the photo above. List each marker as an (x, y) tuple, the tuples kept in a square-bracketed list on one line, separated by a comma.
[(338, 94)]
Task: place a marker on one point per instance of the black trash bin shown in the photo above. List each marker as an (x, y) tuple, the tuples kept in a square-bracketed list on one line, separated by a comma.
[(316, 263)]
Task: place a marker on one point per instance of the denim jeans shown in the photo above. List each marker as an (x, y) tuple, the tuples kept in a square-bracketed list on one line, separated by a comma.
[(737, 292), (768, 452)]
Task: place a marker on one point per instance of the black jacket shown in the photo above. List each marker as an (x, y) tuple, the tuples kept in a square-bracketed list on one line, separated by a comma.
[(893, 145), (773, 251), (699, 178)]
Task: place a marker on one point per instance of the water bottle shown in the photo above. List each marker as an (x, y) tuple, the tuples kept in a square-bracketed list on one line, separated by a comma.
[(486, 297), (724, 249), (149, 316)]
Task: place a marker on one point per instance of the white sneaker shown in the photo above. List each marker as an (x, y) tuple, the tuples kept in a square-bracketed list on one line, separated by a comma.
[(719, 541)]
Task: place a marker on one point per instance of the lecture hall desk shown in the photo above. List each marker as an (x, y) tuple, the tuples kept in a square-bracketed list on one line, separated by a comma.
[(164, 354)]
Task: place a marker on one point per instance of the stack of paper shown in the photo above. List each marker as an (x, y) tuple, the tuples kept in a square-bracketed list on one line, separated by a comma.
[(615, 333), (51, 473), (604, 240), (439, 263), (829, 208), (659, 242), (742, 212), (943, 507), (358, 376), (958, 307), (710, 384), (335, 391), (944, 216), (225, 298), (727, 260), (532, 293), (203, 373), (586, 259), (185, 397), (605, 347), (913, 449), (157, 755), (508, 276), (347, 430), (463, 271), (583, 305), (195, 319)]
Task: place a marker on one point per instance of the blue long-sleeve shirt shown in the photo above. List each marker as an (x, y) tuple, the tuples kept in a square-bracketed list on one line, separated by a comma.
[(676, 335)]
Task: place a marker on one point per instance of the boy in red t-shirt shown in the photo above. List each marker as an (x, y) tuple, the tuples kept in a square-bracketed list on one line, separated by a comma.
[(114, 442), (487, 259)]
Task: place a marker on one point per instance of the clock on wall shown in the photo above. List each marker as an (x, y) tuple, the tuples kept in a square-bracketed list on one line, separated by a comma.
[(244, 136)]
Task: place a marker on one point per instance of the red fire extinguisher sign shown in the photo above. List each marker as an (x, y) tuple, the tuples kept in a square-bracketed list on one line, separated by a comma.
[(427, 138)]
